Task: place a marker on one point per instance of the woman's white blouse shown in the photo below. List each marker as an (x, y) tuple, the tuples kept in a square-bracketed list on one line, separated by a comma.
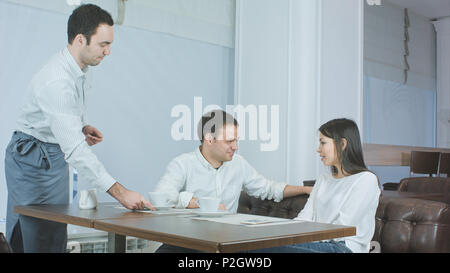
[(348, 201)]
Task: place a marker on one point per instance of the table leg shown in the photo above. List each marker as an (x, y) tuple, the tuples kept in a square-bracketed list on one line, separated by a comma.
[(116, 243)]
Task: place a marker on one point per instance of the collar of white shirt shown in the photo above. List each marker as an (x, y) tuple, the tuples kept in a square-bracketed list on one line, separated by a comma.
[(205, 162), (73, 65)]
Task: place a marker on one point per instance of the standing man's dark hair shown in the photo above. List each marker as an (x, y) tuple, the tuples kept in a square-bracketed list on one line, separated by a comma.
[(85, 19)]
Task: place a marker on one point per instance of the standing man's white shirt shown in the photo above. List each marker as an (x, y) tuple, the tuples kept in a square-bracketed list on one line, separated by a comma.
[(191, 175), (55, 113), (348, 201)]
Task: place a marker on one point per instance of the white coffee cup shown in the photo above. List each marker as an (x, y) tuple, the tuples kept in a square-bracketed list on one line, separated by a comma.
[(209, 204), (88, 199), (158, 199)]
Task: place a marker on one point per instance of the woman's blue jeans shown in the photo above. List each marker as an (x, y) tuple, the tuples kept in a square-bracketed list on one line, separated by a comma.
[(313, 247)]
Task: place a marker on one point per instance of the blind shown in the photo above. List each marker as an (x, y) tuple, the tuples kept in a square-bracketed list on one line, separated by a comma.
[(384, 47)]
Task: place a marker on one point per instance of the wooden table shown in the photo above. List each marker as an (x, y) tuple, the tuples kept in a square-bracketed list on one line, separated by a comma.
[(184, 231), (393, 155), (71, 214)]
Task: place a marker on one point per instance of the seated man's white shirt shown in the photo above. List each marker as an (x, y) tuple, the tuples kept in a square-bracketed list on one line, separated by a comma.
[(348, 201), (191, 175)]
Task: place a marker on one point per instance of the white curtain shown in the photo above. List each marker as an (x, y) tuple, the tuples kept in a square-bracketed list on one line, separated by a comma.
[(443, 79)]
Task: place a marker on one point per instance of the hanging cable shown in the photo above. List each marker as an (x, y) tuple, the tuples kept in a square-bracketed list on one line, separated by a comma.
[(405, 44), (120, 12)]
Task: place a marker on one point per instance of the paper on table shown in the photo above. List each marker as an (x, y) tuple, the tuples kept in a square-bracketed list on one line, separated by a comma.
[(171, 211), (247, 220)]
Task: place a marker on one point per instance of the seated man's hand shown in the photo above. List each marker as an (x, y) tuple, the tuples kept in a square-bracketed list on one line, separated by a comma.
[(222, 207)]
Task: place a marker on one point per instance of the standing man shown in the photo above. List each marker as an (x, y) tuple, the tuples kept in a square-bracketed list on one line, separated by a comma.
[(52, 133)]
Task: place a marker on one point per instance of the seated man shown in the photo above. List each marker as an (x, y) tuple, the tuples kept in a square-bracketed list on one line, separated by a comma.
[(214, 170)]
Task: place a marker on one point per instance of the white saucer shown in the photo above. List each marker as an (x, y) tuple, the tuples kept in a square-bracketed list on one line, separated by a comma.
[(163, 207), (212, 214)]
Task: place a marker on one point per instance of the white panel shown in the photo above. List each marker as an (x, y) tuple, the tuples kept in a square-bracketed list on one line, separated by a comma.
[(203, 20), (307, 57), (341, 74), (443, 82), (262, 61), (398, 114)]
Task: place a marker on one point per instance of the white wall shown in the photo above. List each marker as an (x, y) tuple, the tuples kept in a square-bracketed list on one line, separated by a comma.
[(306, 57), (134, 90)]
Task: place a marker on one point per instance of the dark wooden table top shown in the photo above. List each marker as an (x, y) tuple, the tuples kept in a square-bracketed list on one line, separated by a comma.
[(184, 231), (212, 236), (71, 214)]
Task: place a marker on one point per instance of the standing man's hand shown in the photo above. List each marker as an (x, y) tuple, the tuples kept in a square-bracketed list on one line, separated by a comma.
[(129, 199), (93, 135)]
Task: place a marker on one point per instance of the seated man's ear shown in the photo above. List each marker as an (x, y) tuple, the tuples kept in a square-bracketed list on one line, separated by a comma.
[(208, 138)]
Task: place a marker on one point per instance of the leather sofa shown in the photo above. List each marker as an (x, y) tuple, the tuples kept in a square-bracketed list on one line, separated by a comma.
[(403, 225), (4, 246)]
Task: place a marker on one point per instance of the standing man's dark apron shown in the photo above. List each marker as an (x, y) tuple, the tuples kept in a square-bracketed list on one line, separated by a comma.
[(36, 173)]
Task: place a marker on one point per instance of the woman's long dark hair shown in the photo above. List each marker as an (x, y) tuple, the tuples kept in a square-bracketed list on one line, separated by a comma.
[(351, 158)]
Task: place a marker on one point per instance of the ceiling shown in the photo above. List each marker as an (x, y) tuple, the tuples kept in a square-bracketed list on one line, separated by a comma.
[(431, 9)]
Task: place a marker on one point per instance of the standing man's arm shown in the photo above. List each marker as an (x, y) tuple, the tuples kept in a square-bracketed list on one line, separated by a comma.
[(61, 110), (129, 199)]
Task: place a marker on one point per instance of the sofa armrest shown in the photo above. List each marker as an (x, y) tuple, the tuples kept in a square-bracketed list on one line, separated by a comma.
[(286, 208), (427, 185)]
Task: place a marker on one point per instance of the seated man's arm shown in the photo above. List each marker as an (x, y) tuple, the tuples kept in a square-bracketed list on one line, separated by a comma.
[(259, 186), (173, 182), (290, 190)]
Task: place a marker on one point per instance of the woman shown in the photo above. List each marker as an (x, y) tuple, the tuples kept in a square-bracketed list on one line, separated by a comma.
[(347, 196)]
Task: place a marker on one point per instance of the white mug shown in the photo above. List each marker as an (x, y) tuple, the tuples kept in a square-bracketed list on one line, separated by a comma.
[(88, 199), (209, 204)]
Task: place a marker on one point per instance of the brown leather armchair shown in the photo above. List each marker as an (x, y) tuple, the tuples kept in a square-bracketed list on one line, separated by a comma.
[(409, 225), (402, 225), (4, 246)]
